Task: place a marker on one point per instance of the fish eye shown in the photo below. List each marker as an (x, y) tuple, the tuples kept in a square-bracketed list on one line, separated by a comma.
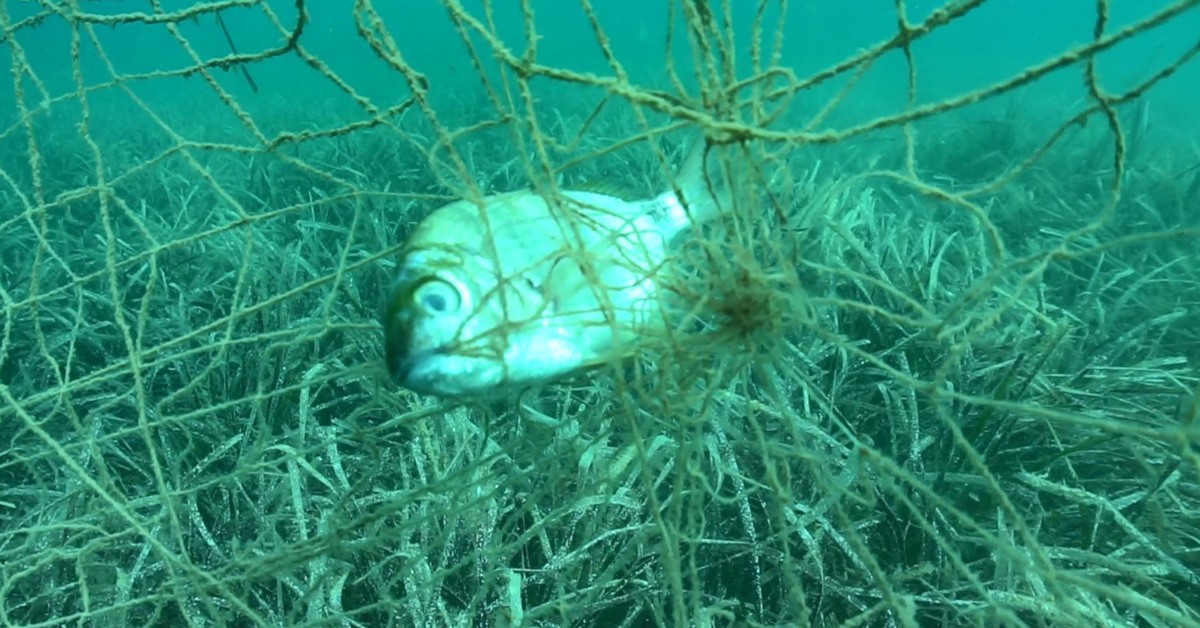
[(437, 297)]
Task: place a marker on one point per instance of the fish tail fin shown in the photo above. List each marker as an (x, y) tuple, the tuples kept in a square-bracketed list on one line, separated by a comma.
[(699, 192)]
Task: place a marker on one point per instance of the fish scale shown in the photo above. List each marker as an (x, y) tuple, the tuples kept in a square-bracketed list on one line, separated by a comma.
[(516, 289)]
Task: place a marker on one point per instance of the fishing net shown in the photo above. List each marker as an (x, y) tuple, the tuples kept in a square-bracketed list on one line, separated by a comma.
[(933, 365)]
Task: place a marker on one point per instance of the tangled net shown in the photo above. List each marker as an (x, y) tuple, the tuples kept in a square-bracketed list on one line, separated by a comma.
[(938, 367)]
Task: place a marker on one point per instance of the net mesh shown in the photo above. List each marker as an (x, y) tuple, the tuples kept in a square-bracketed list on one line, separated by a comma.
[(938, 365)]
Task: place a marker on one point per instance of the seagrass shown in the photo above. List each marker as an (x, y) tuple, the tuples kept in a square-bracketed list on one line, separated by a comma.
[(935, 366)]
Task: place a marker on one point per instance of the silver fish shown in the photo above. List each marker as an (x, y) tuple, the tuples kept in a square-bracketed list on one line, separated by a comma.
[(520, 288)]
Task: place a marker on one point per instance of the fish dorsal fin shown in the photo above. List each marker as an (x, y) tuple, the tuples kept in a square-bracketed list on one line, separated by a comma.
[(607, 187)]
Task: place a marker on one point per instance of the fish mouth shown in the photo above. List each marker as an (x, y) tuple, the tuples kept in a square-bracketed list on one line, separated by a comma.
[(402, 366), (398, 339), (443, 372), (399, 370), (411, 365)]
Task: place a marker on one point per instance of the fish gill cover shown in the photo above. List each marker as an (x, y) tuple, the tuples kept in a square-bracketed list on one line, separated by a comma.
[(933, 364)]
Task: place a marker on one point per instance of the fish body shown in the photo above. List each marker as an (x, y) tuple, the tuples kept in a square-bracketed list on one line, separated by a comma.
[(520, 288)]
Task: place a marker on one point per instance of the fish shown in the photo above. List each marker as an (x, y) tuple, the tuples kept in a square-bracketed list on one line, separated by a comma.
[(524, 288)]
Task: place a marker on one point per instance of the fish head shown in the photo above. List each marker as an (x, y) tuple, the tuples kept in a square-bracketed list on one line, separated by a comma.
[(439, 338)]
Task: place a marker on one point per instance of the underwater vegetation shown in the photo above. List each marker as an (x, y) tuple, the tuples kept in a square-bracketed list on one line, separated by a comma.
[(938, 367)]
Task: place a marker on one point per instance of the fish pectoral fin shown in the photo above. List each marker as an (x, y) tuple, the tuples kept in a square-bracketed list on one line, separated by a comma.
[(575, 285), (566, 284)]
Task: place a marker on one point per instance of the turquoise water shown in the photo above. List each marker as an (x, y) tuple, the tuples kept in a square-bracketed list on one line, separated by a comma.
[(249, 282), (995, 41)]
